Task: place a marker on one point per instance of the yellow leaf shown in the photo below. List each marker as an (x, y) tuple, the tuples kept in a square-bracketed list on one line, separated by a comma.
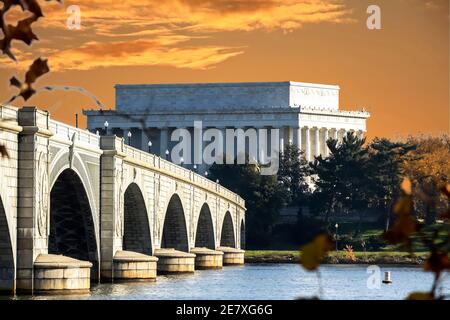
[(404, 206), (406, 186), (313, 253), (420, 296)]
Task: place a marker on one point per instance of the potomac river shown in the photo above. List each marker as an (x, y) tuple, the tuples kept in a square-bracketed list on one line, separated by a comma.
[(268, 282)]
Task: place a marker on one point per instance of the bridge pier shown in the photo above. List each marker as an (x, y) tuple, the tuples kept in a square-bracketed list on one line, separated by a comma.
[(232, 256), (132, 266), (207, 258), (174, 261), (57, 274)]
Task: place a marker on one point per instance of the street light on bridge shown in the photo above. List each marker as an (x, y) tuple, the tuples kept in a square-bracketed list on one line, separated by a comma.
[(149, 146), (129, 137), (106, 125), (167, 154)]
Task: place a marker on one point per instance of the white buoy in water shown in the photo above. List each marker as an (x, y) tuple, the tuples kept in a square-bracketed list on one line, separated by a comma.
[(387, 277)]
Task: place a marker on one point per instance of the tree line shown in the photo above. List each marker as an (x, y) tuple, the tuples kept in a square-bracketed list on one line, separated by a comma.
[(356, 178)]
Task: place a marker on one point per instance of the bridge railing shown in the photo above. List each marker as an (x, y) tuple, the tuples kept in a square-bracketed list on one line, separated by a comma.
[(68, 132), (9, 113), (181, 172)]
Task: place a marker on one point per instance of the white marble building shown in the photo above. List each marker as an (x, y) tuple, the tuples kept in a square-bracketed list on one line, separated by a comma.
[(306, 114)]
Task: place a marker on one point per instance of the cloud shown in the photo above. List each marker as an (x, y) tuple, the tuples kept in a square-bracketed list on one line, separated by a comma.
[(204, 15), (169, 32), (140, 53)]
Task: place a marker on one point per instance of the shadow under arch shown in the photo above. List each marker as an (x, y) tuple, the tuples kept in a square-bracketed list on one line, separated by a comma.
[(227, 235), (6, 254), (72, 231), (174, 233), (204, 236), (136, 236), (242, 234)]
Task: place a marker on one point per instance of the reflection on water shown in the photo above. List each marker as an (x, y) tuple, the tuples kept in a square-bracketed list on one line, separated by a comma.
[(266, 282)]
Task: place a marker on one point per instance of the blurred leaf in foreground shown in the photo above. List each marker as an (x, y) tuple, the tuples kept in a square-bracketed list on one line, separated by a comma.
[(420, 296), (314, 252), (38, 68), (405, 224), (3, 151)]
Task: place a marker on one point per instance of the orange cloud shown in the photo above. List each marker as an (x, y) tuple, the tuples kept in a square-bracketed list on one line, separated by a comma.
[(202, 15), (139, 53), (145, 33)]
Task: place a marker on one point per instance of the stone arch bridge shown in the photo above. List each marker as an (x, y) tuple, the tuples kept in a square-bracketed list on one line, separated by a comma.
[(77, 207)]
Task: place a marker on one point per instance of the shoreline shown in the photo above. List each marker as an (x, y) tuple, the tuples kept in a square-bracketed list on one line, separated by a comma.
[(382, 258)]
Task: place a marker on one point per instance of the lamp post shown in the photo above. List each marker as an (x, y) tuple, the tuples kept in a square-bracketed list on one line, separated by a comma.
[(97, 133), (206, 173), (167, 154), (217, 181), (149, 146), (195, 168), (181, 161), (336, 235), (106, 125), (129, 137)]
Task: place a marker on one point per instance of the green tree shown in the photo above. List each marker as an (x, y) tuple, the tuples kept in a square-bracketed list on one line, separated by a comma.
[(263, 195), (342, 180), (292, 174), (387, 172)]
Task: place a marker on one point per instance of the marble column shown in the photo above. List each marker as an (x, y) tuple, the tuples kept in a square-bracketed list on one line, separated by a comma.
[(335, 134), (164, 142), (144, 140), (290, 135), (317, 142), (281, 139), (308, 143), (341, 135), (298, 138), (325, 139)]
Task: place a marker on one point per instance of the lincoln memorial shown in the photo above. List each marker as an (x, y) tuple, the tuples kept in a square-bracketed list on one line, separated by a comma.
[(306, 114)]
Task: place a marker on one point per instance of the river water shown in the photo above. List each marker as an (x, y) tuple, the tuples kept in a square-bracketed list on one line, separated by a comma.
[(268, 282)]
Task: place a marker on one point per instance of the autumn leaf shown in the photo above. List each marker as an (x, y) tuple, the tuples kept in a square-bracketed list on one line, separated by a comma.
[(421, 296), (23, 31), (437, 262), (406, 186), (38, 68), (3, 151), (446, 190), (405, 225), (313, 253)]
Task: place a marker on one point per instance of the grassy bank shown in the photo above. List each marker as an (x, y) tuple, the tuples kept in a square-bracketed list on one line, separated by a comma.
[(268, 256)]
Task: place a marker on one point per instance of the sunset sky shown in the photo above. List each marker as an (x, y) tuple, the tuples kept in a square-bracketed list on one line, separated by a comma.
[(400, 73)]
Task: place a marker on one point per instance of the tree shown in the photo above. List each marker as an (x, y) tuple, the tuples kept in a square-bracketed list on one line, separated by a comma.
[(293, 173), (342, 182), (429, 170), (386, 166), (263, 195)]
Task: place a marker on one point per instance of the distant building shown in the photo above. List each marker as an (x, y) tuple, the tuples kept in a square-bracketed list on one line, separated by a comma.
[(306, 114)]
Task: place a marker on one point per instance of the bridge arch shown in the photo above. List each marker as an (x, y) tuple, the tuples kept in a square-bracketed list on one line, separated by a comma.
[(7, 273), (227, 238), (137, 235), (72, 230), (242, 234), (175, 233), (204, 235)]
